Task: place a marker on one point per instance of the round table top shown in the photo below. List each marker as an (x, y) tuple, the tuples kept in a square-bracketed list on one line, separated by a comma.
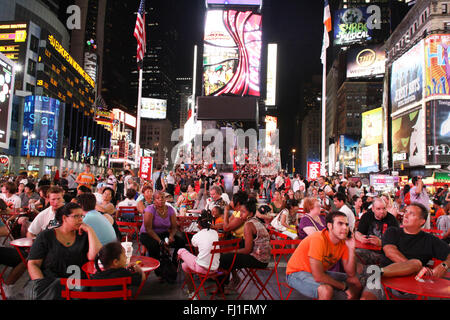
[(22, 242), (147, 264), (427, 286), (360, 245)]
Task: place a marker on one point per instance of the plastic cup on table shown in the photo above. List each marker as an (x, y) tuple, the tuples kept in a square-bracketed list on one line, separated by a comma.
[(128, 246)]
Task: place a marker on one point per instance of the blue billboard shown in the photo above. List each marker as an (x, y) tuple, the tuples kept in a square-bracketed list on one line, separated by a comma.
[(40, 126)]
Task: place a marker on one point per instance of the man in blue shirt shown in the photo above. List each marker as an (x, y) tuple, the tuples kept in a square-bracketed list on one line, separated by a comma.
[(102, 227)]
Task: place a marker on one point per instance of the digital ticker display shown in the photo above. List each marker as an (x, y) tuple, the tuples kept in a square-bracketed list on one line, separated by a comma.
[(63, 77), (232, 53)]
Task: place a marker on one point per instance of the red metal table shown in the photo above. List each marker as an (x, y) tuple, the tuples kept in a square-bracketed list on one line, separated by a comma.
[(24, 243), (426, 287), (147, 265), (360, 245)]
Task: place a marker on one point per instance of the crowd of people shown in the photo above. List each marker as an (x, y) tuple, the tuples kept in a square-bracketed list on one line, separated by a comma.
[(73, 219)]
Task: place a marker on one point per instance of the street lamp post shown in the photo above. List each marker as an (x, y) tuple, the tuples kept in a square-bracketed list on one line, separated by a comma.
[(29, 135), (293, 158)]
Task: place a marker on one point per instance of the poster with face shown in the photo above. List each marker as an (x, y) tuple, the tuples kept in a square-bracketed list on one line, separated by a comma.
[(438, 131), (408, 139)]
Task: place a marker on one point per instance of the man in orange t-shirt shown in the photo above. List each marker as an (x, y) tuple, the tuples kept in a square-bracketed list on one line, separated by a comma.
[(86, 178), (307, 269)]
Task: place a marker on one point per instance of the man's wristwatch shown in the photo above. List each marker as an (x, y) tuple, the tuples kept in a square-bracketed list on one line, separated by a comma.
[(444, 265)]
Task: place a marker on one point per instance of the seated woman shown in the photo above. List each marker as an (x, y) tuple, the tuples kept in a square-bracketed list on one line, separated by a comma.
[(286, 221), (186, 201), (312, 221), (278, 203), (145, 199), (160, 223), (203, 240), (55, 252), (234, 224), (114, 265), (256, 250), (107, 208)]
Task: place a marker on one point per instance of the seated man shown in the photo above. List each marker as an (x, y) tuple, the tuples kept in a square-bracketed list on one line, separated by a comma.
[(408, 249), (371, 228), (307, 269), (103, 229)]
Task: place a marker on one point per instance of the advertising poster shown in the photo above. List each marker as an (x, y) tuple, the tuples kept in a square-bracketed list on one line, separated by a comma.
[(40, 122), (438, 131), (313, 170), (369, 159), (153, 108), (236, 2), (6, 97), (408, 139), (382, 182), (145, 169), (13, 40), (367, 61), (348, 151), (437, 65), (232, 53), (372, 127), (407, 78), (350, 26)]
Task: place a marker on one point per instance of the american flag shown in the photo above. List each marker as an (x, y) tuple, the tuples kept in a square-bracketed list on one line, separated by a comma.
[(139, 34)]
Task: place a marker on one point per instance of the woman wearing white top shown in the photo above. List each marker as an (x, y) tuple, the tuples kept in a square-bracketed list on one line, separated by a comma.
[(203, 240)]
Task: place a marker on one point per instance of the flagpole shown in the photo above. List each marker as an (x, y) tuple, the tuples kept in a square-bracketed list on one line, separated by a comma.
[(324, 111), (138, 122)]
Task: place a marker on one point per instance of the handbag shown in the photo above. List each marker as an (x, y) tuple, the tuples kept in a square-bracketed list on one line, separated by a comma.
[(168, 270), (276, 222)]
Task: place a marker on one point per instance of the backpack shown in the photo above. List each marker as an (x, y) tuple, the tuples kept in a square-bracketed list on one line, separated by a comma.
[(158, 183)]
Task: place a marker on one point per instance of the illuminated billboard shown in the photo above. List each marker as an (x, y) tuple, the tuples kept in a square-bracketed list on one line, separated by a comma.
[(407, 78), (372, 127), (438, 131), (369, 159), (437, 71), (153, 108), (408, 139), (232, 53), (235, 2), (271, 95), (6, 97), (41, 118), (365, 61), (351, 26), (348, 151)]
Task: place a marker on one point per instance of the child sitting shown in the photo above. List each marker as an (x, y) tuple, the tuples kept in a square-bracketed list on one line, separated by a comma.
[(114, 265)]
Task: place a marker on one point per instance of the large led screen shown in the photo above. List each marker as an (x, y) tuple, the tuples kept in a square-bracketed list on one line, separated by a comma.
[(407, 78), (437, 66), (232, 53), (6, 96), (370, 160), (351, 26), (408, 138), (438, 131), (365, 61), (40, 126), (372, 127), (153, 108)]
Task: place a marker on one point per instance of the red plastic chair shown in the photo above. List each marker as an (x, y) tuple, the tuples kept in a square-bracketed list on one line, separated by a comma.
[(2, 292), (219, 247), (127, 210), (183, 223), (130, 230), (436, 232), (123, 293), (282, 248)]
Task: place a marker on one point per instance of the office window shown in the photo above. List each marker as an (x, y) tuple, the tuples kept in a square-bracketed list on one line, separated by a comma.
[(34, 44), (447, 26), (31, 68), (444, 8)]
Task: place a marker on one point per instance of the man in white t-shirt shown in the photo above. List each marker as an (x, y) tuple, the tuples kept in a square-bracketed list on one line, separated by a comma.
[(297, 184), (339, 201), (279, 181), (111, 180), (8, 195), (46, 218)]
